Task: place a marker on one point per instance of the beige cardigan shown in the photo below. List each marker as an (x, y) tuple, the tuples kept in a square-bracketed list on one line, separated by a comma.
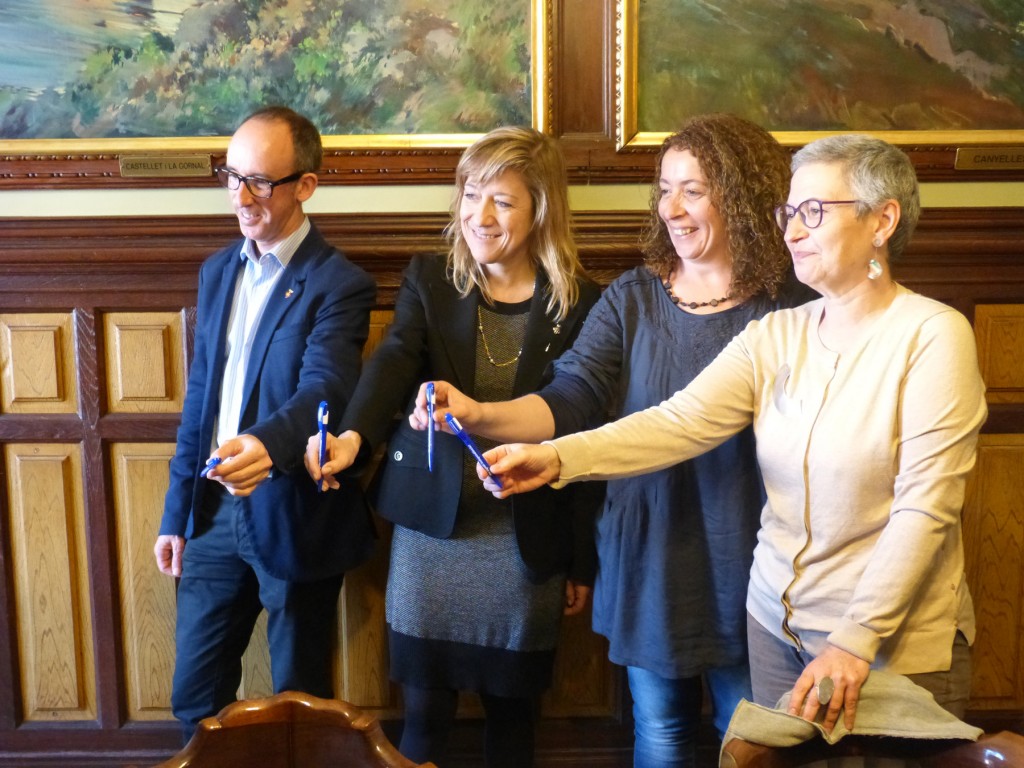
[(865, 457)]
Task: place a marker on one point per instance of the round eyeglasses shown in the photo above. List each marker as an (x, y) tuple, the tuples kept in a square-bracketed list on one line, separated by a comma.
[(257, 186), (811, 212)]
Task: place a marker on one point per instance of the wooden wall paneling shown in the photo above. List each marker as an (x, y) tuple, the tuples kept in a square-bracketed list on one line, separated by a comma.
[(37, 368), (585, 684), (970, 258), (145, 362), (51, 574), (380, 321), (361, 658), (966, 257), (361, 664), (999, 329), (256, 678), (100, 530), (994, 548), (140, 477)]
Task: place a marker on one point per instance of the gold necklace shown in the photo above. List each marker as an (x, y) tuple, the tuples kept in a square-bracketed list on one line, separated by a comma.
[(487, 349)]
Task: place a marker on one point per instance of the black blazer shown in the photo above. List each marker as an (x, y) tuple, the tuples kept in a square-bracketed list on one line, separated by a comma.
[(434, 337), (307, 348)]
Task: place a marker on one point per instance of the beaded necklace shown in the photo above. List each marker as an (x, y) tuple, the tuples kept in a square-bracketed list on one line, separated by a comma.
[(691, 304)]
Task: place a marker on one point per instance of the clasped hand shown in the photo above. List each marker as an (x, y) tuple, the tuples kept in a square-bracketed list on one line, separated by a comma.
[(447, 399), (340, 452), (245, 464)]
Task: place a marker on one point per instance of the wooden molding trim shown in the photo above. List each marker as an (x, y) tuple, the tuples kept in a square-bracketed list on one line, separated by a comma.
[(963, 256), (972, 238), (591, 160)]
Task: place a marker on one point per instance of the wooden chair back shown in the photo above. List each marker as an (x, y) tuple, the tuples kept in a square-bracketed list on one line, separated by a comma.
[(290, 730)]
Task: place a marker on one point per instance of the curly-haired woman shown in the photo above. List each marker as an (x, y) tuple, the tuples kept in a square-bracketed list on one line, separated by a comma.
[(674, 547)]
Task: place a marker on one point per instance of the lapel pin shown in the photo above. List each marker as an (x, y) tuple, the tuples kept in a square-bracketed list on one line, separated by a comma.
[(288, 293)]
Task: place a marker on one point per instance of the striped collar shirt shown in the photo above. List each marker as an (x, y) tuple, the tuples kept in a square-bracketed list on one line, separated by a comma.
[(252, 291)]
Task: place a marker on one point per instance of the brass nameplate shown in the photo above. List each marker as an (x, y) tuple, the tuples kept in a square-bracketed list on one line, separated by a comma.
[(989, 159), (165, 165)]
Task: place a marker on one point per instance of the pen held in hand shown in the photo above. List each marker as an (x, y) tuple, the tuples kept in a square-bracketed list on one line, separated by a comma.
[(431, 402), (322, 417), (468, 441)]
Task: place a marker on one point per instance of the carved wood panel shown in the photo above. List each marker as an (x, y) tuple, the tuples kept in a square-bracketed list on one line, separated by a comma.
[(140, 475), (111, 467), (994, 548), (37, 369), (145, 361), (999, 329), (51, 581)]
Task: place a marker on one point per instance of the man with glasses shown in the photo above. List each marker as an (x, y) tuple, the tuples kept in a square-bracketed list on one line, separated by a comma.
[(281, 321)]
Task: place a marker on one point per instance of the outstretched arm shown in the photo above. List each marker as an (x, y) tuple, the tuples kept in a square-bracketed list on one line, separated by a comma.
[(526, 418), (520, 468)]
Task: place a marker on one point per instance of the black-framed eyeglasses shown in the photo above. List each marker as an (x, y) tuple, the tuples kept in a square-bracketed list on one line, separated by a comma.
[(811, 212), (257, 185)]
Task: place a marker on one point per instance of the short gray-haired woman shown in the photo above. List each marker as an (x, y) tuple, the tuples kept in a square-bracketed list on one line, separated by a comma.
[(866, 406)]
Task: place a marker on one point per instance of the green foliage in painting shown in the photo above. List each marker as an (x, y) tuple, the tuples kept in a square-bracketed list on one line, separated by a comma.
[(833, 65), (353, 66)]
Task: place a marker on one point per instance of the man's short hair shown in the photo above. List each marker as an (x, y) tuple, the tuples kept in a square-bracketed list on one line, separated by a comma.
[(309, 150)]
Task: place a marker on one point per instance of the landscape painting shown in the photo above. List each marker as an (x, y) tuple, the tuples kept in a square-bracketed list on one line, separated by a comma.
[(123, 69), (829, 65)]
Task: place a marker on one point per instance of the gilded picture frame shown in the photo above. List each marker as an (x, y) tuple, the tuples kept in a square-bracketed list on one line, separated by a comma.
[(95, 149), (632, 75)]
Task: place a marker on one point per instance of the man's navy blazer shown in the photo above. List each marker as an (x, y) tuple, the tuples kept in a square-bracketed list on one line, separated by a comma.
[(434, 336), (307, 348)]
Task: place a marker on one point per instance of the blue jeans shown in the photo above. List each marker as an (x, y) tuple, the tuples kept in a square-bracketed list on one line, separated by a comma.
[(666, 712), (220, 595)]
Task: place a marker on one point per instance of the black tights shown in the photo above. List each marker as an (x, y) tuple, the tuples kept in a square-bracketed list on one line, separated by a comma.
[(430, 714)]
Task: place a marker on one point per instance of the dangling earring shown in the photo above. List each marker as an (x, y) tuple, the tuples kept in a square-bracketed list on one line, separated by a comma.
[(874, 269)]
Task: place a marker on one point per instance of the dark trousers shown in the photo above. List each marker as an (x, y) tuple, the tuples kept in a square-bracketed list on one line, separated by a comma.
[(775, 665), (220, 596), (430, 714)]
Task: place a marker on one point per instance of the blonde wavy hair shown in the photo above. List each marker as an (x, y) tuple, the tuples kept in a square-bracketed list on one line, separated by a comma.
[(539, 162)]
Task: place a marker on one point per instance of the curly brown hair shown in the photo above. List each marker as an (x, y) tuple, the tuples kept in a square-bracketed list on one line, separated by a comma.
[(747, 173)]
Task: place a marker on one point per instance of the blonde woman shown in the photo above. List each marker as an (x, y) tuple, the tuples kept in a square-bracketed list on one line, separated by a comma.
[(477, 586)]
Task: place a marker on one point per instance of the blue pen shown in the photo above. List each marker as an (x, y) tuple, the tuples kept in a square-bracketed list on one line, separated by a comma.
[(322, 418), (431, 401), (211, 462), (465, 438)]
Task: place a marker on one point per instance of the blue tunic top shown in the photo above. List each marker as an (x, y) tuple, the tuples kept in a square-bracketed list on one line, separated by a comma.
[(675, 546)]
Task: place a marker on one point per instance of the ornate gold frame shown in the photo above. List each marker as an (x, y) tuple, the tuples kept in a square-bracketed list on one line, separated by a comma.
[(628, 135), (540, 88)]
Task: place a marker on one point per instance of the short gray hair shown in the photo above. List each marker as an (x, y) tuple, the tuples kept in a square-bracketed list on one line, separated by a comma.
[(876, 171)]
